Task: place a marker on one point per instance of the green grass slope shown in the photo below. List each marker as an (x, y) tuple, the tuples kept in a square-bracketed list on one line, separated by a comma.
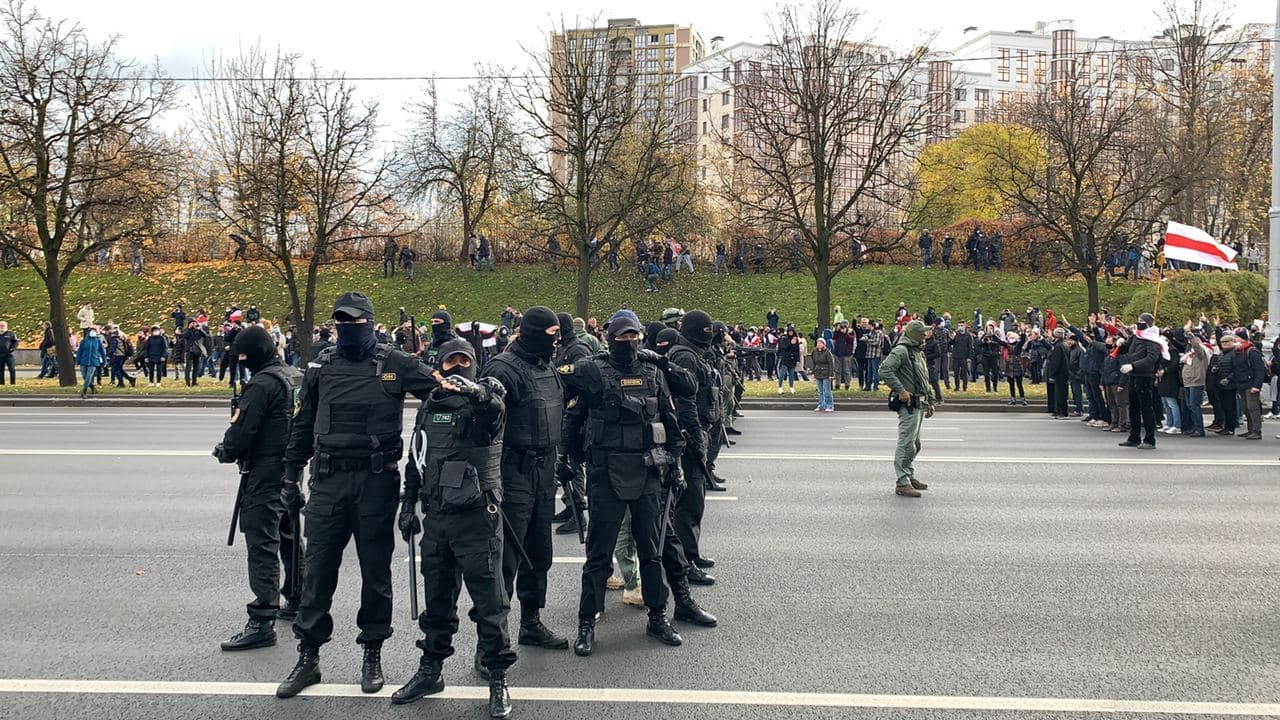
[(875, 291)]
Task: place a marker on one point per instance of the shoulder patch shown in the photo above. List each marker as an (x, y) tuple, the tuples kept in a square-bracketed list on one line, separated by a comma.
[(573, 403), (632, 382), (388, 377), (566, 369), (442, 418), (313, 365)]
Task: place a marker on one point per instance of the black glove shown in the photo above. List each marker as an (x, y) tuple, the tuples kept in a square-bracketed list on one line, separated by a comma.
[(220, 452), (408, 520), (675, 478), (654, 358), (290, 491), (564, 470)]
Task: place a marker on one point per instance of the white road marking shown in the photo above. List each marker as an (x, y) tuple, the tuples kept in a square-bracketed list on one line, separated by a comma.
[(1030, 459), (44, 422), (894, 438), (671, 696), (895, 427), (105, 452), (558, 560), (159, 415)]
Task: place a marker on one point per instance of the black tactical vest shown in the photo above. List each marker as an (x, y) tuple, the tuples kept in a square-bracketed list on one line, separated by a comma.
[(624, 420), (360, 408), (273, 432), (708, 395), (453, 433), (534, 421)]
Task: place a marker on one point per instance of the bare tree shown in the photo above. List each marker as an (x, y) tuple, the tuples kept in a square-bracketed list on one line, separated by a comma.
[(80, 168), (465, 157), (295, 167), (1105, 169), (826, 123), (612, 172)]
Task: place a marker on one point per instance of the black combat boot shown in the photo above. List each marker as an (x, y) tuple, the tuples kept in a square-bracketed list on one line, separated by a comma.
[(704, 562), (257, 633), (660, 629), (698, 576), (288, 611), (499, 696), (563, 515), (304, 674), (713, 486), (687, 609), (586, 642), (570, 527), (371, 669), (533, 632), (426, 681)]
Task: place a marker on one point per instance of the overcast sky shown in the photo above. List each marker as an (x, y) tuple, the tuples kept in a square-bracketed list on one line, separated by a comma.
[(444, 38)]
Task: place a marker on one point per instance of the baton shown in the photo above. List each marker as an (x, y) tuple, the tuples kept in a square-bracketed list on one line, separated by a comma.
[(413, 575), (665, 525), (235, 510), (418, 454), (295, 579)]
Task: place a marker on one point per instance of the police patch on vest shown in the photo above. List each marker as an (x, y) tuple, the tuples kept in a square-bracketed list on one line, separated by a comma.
[(571, 404), (442, 418), (627, 382), (388, 377), (566, 369)]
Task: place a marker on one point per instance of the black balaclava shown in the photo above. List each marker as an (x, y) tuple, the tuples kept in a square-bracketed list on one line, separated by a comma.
[(257, 346), (651, 332), (667, 338), (718, 329), (696, 328), (533, 332), (356, 341), (623, 352), (442, 330), (565, 321), (458, 346), (1145, 321)]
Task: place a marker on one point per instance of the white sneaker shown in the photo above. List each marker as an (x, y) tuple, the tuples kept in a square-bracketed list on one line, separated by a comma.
[(1174, 431), (633, 597), (793, 389), (779, 389)]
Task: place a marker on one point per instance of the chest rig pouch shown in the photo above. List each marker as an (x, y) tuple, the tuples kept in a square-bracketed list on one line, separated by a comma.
[(459, 486), (627, 425)]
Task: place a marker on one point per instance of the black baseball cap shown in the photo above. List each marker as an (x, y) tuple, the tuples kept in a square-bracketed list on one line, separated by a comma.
[(354, 305)]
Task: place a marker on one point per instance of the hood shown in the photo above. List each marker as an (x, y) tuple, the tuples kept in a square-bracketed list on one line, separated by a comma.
[(913, 333)]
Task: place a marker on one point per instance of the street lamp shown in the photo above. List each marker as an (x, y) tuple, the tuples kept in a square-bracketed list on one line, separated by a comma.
[(1273, 245)]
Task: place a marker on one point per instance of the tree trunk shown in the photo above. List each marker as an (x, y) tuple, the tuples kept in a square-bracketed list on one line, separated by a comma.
[(62, 343), (582, 298), (309, 302), (822, 278), (1091, 283), (466, 234)]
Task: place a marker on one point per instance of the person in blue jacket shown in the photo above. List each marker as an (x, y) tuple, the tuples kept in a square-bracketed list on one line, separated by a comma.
[(90, 356)]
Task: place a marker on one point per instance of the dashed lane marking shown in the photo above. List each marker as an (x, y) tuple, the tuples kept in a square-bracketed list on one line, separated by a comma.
[(1029, 459), (673, 697)]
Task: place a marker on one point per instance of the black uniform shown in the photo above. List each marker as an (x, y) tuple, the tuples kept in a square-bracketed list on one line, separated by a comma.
[(350, 419), (629, 437), (570, 350), (535, 404), (256, 441), (699, 416), (460, 485), (441, 333)]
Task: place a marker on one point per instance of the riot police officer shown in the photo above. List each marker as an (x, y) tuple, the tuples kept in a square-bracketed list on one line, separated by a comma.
[(458, 440), (630, 438), (535, 403), (570, 350), (350, 418), (693, 352), (441, 333), (256, 440)]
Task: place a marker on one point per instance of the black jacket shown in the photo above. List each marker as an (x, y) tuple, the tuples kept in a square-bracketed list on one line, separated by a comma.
[(1144, 356), (1056, 368), (1247, 368)]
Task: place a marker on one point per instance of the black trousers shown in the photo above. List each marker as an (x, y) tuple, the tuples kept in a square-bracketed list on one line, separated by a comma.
[(1142, 409), (269, 537), (343, 505), (7, 363), (1230, 404), (687, 522), (191, 370), (529, 502), (1097, 403), (960, 368), (607, 511), (715, 436), (457, 548)]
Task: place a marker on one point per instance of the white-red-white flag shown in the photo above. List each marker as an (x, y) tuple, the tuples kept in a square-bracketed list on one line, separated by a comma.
[(1190, 244)]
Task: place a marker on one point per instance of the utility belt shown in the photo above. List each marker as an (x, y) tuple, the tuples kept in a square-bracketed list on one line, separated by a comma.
[(377, 462), (529, 458)]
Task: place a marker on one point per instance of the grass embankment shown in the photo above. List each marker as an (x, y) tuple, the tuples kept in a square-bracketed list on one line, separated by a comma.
[(875, 291)]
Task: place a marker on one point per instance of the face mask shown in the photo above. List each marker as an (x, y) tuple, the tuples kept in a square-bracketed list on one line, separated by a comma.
[(466, 372), (538, 343), (439, 332), (157, 333), (624, 352), (355, 340), (93, 334)]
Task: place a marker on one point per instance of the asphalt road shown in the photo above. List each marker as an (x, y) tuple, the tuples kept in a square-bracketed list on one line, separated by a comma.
[(1046, 574)]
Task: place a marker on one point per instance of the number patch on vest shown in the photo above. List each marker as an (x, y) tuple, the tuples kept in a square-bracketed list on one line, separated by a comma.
[(442, 418), (388, 377), (566, 369), (628, 382)]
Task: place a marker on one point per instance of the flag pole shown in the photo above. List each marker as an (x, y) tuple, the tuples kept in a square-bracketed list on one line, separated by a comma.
[(1160, 262), (1273, 239)]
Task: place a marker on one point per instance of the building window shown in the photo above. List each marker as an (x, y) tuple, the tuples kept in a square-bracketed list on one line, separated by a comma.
[(670, 52), (703, 172), (1022, 65), (959, 116), (669, 39), (725, 75), (651, 53), (653, 39), (704, 127), (982, 96), (704, 82), (1002, 64), (724, 98), (1002, 74), (724, 122), (704, 104), (1041, 63), (1002, 97), (962, 94)]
